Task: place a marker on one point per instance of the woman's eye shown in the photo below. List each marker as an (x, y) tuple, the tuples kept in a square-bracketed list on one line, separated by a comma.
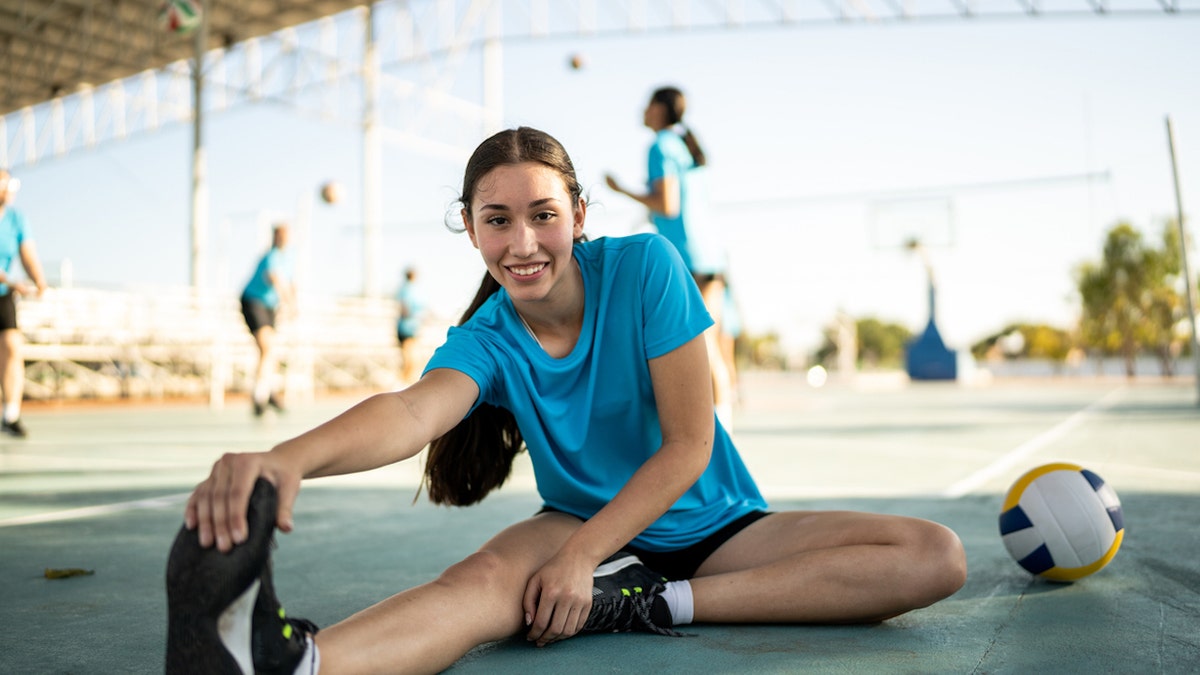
[(497, 221), (545, 215)]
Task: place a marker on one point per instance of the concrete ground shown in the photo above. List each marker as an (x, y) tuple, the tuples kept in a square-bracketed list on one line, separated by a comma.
[(102, 488)]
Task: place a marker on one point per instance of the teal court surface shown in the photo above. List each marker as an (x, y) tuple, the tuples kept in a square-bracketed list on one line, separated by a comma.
[(102, 488)]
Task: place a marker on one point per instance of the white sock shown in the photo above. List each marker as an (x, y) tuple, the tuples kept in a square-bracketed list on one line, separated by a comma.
[(678, 595), (311, 663), (12, 411), (262, 390)]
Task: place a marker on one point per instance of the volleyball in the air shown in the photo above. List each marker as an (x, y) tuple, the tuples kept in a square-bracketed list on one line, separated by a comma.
[(179, 16), (331, 192), (1061, 522)]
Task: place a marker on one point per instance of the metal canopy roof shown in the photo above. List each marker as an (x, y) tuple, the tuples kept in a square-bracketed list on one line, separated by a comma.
[(50, 48)]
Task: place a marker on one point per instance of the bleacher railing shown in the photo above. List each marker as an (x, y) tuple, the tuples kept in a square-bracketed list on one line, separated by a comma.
[(101, 344)]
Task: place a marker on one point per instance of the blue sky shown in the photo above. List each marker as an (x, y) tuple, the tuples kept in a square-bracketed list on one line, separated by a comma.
[(826, 145)]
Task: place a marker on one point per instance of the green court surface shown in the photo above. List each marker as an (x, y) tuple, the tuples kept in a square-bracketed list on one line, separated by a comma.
[(102, 488)]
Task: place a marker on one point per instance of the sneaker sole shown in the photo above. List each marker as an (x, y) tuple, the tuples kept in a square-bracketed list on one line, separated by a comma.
[(610, 568), (203, 582)]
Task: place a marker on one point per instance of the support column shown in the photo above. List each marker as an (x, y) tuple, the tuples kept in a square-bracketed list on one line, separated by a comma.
[(372, 160), (199, 221)]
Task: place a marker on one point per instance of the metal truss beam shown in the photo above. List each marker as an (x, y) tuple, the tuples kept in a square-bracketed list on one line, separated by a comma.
[(421, 45)]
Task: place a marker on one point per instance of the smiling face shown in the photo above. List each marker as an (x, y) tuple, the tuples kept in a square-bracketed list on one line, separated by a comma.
[(524, 222)]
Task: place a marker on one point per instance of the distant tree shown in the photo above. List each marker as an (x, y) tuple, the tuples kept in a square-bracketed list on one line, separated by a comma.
[(1129, 298), (1037, 341), (1166, 306), (880, 343), (761, 351)]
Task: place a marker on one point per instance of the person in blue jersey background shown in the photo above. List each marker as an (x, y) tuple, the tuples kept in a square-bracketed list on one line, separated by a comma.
[(676, 197), (412, 306), (15, 243), (268, 293), (590, 356)]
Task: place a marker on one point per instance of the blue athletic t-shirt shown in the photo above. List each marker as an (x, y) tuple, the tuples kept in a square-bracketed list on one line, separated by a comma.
[(13, 233), (589, 419), (690, 230), (260, 288)]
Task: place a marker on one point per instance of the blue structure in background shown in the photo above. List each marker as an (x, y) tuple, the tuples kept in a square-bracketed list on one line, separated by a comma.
[(927, 357)]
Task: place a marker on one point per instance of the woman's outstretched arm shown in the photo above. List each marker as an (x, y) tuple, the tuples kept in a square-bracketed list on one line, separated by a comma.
[(383, 429)]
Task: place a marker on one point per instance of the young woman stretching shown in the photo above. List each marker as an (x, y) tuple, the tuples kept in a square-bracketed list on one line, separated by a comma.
[(590, 355)]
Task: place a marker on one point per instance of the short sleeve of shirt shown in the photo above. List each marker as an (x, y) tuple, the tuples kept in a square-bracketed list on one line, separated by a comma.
[(278, 262), (464, 350), (657, 166), (673, 308), (21, 227), (13, 233)]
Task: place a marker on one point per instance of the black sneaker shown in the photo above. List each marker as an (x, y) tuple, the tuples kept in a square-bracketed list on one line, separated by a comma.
[(14, 428), (622, 593), (277, 641), (259, 409), (275, 403), (206, 587)]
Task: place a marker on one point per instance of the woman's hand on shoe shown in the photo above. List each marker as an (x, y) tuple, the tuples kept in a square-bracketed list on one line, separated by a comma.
[(218, 505)]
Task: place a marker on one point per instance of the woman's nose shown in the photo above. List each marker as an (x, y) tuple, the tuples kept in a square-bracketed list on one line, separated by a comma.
[(524, 241)]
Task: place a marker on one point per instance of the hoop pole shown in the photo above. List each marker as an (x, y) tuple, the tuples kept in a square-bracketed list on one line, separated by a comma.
[(1189, 282)]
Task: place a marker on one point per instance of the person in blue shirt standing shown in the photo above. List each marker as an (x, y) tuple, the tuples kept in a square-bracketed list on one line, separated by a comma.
[(410, 300), (15, 242), (268, 292), (590, 356), (676, 196)]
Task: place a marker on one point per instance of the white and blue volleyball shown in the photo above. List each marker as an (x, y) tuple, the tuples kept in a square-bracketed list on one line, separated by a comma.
[(1061, 522)]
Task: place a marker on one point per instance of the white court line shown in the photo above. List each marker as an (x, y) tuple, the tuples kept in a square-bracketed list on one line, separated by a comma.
[(101, 510), (1024, 450)]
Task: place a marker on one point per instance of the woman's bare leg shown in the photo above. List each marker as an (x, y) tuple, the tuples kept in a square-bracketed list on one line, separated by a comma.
[(828, 567), (427, 628), (12, 365), (713, 293)]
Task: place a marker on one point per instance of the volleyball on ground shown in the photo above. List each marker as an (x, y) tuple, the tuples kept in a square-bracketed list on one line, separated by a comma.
[(179, 16), (1061, 522)]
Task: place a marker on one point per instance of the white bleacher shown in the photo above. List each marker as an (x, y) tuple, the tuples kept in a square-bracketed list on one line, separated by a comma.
[(91, 343)]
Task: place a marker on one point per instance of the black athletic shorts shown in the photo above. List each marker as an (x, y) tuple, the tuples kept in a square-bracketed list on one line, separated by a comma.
[(257, 315), (705, 278), (683, 563), (8, 311), (404, 336)]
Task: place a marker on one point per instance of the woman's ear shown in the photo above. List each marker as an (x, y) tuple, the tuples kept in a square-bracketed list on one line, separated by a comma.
[(469, 227), (580, 216)]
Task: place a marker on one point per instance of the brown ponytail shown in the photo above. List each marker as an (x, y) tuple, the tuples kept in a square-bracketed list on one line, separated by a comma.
[(672, 98), (476, 456)]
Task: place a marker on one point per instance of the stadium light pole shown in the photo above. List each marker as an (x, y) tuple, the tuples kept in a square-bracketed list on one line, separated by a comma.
[(1188, 281)]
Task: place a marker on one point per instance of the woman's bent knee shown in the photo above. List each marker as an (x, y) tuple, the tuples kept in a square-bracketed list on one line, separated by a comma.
[(483, 572), (945, 560)]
